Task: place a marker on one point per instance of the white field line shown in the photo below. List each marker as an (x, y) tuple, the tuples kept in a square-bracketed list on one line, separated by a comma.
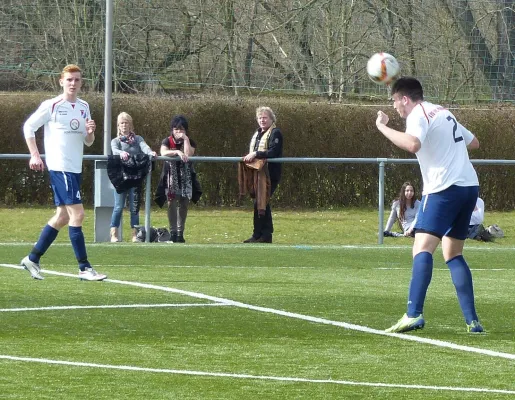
[(256, 377), (442, 269), (433, 342), (268, 246), (263, 267), (57, 308)]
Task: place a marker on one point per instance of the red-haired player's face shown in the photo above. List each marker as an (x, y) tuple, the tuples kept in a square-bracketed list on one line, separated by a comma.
[(71, 82)]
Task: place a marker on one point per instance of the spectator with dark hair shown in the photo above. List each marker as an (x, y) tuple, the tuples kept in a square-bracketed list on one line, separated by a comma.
[(404, 211), (177, 176)]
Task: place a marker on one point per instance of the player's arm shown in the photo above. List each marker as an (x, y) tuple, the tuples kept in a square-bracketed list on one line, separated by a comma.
[(474, 144), (35, 163), (40, 117), (470, 139), (400, 139)]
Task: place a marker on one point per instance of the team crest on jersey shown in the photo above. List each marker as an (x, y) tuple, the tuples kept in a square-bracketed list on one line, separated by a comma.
[(74, 124), (83, 113)]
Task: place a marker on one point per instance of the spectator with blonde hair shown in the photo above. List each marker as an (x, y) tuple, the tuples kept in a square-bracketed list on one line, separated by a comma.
[(266, 143), (125, 145)]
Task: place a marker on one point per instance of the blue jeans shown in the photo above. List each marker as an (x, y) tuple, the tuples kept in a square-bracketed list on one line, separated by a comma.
[(119, 203)]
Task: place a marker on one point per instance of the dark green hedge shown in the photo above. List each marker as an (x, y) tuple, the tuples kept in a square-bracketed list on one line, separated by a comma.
[(223, 127)]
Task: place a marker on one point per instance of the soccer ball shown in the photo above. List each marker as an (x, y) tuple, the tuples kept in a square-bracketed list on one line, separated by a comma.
[(383, 68)]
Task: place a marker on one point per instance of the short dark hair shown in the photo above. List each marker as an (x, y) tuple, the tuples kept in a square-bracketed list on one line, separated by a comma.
[(409, 87), (179, 121)]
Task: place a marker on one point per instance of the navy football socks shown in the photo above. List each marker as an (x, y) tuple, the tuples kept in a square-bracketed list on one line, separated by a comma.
[(462, 279), (46, 238), (420, 278), (79, 246)]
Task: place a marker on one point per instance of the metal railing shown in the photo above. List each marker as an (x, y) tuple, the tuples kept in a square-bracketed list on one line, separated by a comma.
[(381, 162)]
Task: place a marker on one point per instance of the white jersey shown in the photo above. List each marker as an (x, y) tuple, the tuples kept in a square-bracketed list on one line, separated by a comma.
[(65, 132), (443, 156)]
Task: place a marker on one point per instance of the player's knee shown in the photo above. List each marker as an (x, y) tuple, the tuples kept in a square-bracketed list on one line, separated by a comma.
[(62, 219), (78, 218)]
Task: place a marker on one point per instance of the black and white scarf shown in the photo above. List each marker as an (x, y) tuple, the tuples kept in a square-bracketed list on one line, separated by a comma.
[(178, 180)]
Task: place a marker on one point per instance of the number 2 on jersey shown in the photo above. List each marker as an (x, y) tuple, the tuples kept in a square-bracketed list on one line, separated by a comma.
[(454, 129)]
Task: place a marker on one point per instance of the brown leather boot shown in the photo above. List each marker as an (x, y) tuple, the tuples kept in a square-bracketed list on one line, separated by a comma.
[(114, 235)]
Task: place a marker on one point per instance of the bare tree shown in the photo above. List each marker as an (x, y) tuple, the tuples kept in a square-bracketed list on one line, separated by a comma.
[(496, 61), (459, 48)]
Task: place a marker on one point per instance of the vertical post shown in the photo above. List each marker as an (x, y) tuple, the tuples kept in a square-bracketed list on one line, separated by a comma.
[(381, 200), (108, 77), (104, 191), (147, 202)]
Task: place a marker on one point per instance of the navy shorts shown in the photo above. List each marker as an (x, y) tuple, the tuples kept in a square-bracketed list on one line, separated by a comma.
[(447, 213), (66, 187)]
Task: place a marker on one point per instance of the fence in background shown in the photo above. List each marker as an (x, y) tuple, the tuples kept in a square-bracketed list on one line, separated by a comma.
[(381, 163), (462, 50)]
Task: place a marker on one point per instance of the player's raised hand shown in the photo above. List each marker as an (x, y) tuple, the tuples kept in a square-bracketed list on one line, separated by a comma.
[(90, 126), (382, 118)]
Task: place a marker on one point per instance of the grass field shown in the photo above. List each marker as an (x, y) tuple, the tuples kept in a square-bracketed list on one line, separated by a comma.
[(215, 319)]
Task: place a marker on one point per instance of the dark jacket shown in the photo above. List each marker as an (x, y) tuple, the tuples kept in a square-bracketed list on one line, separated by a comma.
[(275, 150), (129, 173)]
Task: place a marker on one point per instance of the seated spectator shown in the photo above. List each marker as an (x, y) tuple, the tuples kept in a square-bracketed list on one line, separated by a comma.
[(476, 229), (404, 211), (478, 215)]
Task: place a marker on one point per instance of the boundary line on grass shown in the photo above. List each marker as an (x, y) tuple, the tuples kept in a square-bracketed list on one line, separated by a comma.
[(360, 328), (255, 377), (299, 246), (273, 267)]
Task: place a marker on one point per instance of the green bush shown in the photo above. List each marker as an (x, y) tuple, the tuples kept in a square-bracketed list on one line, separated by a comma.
[(223, 126)]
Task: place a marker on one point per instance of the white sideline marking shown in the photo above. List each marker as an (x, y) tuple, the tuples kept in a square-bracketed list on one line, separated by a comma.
[(300, 246), (440, 269), (257, 377), (261, 267), (165, 305), (434, 342)]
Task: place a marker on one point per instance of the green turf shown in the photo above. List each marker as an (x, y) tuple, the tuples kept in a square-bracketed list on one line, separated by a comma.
[(224, 225), (182, 347)]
